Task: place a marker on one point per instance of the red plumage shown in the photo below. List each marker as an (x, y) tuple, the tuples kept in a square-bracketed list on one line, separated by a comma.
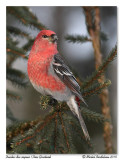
[(51, 76), (39, 61)]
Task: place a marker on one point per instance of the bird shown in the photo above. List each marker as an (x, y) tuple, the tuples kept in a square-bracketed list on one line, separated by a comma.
[(50, 75)]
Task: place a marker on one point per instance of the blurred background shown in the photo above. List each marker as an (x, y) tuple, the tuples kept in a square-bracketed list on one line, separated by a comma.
[(70, 20)]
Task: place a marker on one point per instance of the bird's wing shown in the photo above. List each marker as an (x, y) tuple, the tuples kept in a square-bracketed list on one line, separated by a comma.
[(66, 76)]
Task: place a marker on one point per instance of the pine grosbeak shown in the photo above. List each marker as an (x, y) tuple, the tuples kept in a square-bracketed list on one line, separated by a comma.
[(49, 74)]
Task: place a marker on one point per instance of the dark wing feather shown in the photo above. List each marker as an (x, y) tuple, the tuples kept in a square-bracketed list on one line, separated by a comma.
[(64, 73)]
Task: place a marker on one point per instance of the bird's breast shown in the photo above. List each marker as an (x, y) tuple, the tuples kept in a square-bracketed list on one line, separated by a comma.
[(38, 67)]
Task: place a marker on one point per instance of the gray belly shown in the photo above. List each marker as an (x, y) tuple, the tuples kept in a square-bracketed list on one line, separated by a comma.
[(60, 96)]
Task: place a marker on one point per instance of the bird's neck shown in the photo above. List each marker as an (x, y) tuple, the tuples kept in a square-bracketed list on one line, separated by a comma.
[(44, 48)]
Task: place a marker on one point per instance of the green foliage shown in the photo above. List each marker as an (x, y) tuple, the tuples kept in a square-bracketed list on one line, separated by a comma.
[(14, 50), (13, 96), (28, 45), (83, 39), (93, 116), (26, 17), (10, 115), (17, 32), (17, 77), (52, 135), (96, 75), (77, 38), (95, 88), (59, 131)]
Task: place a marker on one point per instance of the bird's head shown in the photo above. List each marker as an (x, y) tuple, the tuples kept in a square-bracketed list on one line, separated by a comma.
[(45, 43), (47, 36)]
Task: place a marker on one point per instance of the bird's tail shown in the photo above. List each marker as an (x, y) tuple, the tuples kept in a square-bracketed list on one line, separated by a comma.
[(76, 111)]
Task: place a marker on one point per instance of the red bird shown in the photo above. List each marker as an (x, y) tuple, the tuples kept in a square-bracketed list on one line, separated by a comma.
[(50, 75)]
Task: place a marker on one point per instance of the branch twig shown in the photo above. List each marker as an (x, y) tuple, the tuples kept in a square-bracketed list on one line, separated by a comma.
[(65, 134), (93, 26)]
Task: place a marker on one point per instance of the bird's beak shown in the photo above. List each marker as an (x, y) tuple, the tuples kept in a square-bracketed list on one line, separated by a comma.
[(53, 38)]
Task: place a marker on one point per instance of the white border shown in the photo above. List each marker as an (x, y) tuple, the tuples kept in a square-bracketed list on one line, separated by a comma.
[(62, 2), (120, 80), (3, 80)]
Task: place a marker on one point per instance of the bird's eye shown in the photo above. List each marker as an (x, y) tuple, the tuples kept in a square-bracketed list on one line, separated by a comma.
[(44, 36)]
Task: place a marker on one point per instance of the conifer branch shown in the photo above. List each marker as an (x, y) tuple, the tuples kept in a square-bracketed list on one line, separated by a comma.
[(11, 58), (77, 38), (17, 77), (87, 113), (65, 134), (98, 73), (13, 96), (17, 32), (55, 135), (95, 89), (82, 39), (44, 102), (23, 134), (10, 115), (70, 132), (94, 20), (14, 50), (20, 128), (25, 17), (81, 135), (60, 140), (28, 45), (34, 132), (93, 116)]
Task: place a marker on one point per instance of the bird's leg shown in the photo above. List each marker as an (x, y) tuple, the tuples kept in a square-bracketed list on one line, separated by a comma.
[(52, 101)]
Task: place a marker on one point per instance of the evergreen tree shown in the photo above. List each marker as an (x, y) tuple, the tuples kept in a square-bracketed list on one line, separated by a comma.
[(59, 131)]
